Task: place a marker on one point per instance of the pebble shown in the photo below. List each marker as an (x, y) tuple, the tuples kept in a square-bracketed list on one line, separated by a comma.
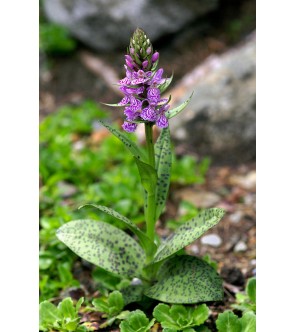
[(212, 240), (240, 246), (201, 199), (236, 217)]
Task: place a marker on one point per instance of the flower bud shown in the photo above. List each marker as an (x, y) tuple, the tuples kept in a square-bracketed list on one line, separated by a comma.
[(145, 64), (155, 57)]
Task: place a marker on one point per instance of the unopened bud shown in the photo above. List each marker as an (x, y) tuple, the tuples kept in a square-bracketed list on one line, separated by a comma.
[(145, 64), (149, 50), (155, 57)]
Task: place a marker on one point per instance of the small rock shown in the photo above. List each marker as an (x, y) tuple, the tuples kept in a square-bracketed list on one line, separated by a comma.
[(247, 181), (212, 240), (201, 199), (193, 249), (236, 217), (240, 246)]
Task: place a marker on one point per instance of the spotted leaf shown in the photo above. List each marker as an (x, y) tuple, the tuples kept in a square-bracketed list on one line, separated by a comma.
[(103, 245), (148, 176), (186, 279), (163, 160), (189, 232), (173, 112), (131, 146), (144, 240)]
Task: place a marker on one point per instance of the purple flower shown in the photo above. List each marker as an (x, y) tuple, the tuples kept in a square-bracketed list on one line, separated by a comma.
[(153, 96), (129, 127), (149, 114), (157, 78), (124, 101), (162, 121), (140, 77), (134, 109)]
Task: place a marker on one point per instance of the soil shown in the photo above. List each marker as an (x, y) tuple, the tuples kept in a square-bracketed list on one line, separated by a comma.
[(73, 79)]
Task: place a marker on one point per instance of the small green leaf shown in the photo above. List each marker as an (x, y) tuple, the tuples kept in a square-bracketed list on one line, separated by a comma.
[(67, 308), (49, 314), (163, 158), (131, 146), (163, 87), (111, 305), (228, 322), (189, 232), (186, 279), (171, 113), (103, 245), (200, 314), (148, 176), (251, 289), (163, 315), (144, 240), (116, 303), (136, 321), (248, 322)]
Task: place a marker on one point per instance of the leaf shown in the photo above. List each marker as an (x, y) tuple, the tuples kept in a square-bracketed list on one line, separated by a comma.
[(251, 289), (144, 240), (189, 232), (228, 322), (163, 158), (49, 314), (186, 279), (171, 113), (111, 305), (148, 176), (116, 303), (163, 87), (113, 105), (132, 293), (103, 245), (67, 308), (163, 316), (136, 321), (248, 322), (200, 314), (131, 146)]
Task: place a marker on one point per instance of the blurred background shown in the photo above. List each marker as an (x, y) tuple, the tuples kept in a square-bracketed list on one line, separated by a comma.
[(209, 46)]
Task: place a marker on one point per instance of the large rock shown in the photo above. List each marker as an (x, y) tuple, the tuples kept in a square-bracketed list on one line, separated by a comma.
[(220, 120), (108, 24)]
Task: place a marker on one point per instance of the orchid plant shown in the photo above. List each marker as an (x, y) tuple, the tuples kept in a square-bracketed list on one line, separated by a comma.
[(159, 269)]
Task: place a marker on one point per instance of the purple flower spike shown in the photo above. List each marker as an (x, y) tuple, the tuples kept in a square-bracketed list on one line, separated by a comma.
[(129, 127), (142, 85), (155, 57), (162, 121)]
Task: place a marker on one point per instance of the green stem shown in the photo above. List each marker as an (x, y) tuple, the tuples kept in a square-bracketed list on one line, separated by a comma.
[(151, 198)]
